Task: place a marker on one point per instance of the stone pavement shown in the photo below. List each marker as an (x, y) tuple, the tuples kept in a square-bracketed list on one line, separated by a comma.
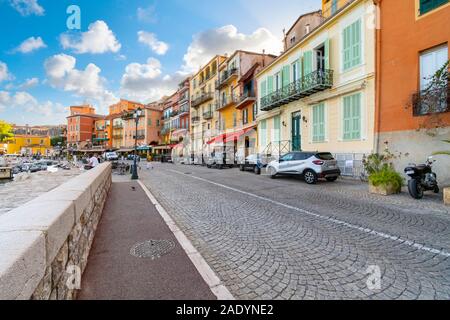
[(129, 218), (283, 239)]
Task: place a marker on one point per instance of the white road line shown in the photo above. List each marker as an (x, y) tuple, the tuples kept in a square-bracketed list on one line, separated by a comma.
[(329, 219), (211, 279)]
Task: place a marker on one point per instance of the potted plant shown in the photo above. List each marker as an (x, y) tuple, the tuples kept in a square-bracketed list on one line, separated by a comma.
[(446, 190), (383, 179)]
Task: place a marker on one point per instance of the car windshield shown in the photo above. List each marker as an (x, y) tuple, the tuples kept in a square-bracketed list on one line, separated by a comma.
[(324, 156)]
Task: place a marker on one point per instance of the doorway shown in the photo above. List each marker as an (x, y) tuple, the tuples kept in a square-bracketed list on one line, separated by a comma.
[(296, 131)]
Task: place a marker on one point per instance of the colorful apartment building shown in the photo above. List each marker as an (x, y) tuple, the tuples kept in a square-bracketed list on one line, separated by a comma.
[(319, 95), (81, 126), (117, 125), (413, 44), (236, 90), (204, 119), (29, 141)]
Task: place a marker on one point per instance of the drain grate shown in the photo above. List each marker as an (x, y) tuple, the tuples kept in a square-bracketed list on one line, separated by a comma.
[(153, 249)]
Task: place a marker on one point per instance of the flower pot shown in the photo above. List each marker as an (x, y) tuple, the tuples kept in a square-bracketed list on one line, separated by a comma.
[(447, 196), (384, 190)]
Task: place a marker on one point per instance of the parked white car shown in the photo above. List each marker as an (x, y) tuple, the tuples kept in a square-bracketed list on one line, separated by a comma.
[(111, 156), (311, 165)]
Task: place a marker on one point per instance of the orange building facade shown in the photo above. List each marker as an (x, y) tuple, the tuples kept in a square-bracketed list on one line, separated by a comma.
[(81, 126), (412, 44)]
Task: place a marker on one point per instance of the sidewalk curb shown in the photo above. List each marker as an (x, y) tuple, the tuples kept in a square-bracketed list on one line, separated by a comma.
[(210, 277)]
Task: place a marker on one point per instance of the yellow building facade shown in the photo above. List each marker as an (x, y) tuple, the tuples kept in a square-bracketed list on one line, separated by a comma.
[(320, 94), (204, 120), (29, 145)]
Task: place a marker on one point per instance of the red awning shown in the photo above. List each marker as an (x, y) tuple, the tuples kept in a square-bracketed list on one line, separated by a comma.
[(237, 135), (218, 139), (225, 138)]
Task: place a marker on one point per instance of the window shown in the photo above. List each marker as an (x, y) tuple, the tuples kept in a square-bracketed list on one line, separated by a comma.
[(352, 117), (352, 45), (334, 6), (318, 123), (149, 122), (277, 128), (307, 29), (430, 62), (292, 40), (157, 123), (278, 81), (288, 157), (234, 119), (245, 116), (255, 111), (294, 68), (433, 97), (429, 5)]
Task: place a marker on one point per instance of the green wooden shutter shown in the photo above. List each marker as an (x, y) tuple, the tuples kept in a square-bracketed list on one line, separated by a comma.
[(285, 76), (327, 54), (307, 63), (277, 128), (269, 85), (319, 123), (263, 137), (356, 116), (300, 68), (352, 117), (352, 45)]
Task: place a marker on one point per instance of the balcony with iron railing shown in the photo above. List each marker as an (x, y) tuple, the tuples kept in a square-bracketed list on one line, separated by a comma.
[(165, 131), (227, 101), (195, 120), (245, 99), (205, 97), (314, 82), (184, 109), (225, 77), (208, 115), (432, 101), (118, 126)]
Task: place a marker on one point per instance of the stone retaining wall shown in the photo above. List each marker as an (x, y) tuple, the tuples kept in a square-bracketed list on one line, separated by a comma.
[(45, 244)]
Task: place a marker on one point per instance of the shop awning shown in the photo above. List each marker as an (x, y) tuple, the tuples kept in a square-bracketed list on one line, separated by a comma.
[(229, 137), (143, 148), (101, 139)]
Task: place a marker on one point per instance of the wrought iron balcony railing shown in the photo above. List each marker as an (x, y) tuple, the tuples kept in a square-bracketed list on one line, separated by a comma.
[(227, 101), (195, 119), (205, 97), (245, 99), (314, 82), (208, 115), (225, 77), (431, 101)]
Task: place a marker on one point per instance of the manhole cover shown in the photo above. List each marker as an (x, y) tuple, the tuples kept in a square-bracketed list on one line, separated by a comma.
[(153, 249)]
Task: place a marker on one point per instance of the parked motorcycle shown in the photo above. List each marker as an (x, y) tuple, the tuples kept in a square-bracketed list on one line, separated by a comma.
[(422, 179)]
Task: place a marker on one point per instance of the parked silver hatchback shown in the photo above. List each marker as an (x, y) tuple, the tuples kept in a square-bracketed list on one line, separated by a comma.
[(311, 165)]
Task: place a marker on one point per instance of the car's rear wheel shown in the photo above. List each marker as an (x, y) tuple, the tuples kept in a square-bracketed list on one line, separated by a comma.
[(310, 177), (272, 173), (331, 179)]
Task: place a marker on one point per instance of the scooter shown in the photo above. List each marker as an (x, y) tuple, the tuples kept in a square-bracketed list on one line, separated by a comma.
[(422, 179)]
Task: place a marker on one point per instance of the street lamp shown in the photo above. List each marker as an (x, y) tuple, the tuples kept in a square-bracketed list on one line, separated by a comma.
[(136, 115)]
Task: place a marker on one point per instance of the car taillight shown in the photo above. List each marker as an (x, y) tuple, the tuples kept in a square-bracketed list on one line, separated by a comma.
[(318, 162)]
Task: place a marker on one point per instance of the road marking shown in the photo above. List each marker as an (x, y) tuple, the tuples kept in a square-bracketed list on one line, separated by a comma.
[(210, 277), (329, 219)]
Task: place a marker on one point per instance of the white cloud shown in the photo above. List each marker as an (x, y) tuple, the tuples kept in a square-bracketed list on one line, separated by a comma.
[(145, 82), (29, 83), (17, 100), (27, 7), (227, 39), (30, 45), (147, 14), (85, 83), (98, 39), (151, 40), (4, 73)]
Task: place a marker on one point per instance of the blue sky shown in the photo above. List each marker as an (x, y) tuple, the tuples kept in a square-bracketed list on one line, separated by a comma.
[(135, 49)]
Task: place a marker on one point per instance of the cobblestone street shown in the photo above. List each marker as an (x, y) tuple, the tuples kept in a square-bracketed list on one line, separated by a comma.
[(284, 239)]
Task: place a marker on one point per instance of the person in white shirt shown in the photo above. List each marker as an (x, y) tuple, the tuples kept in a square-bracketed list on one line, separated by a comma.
[(93, 161)]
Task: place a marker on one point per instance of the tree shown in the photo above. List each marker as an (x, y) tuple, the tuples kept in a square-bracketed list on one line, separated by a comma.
[(56, 140), (6, 131)]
